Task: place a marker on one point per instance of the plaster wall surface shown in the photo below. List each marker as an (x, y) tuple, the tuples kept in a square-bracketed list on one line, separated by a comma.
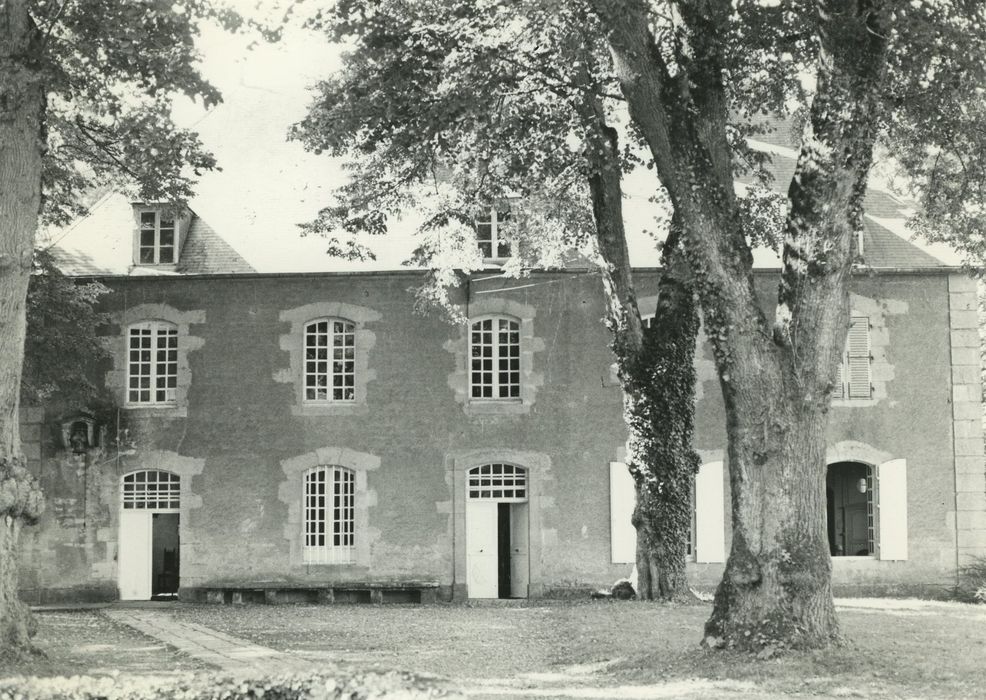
[(241, 425)]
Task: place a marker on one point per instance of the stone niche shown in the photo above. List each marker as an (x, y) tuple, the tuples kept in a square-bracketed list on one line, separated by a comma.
[(80, 433)]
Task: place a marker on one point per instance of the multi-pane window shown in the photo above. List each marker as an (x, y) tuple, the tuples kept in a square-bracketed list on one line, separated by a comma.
[(151, 490), (157, 238), (493, 244), (500, 481), (330, 360), (152, 367), (494, 347), (330, 515), (853, 380)]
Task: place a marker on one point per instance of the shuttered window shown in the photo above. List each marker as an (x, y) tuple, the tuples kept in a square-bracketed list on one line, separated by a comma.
[(623, 499), (853, 380)]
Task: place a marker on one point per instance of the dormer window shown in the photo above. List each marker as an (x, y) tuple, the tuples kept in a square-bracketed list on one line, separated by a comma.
[(157, 239), (493, 245)]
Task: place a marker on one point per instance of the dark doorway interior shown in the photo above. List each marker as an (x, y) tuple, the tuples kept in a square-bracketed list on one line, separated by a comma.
[(164, 562), (849, 506), (503, 549)]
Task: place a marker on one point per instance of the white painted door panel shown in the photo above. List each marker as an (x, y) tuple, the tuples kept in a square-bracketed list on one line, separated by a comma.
[(134, 555), (519, 563), (481, 549)]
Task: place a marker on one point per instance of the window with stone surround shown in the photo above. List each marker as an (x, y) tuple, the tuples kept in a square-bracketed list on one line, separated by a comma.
[(330, 360), (152, 363), (494, 352), (328, 349), (329, 515)]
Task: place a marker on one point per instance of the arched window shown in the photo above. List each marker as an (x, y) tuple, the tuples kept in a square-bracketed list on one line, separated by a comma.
[(330, 360), (152, 365), (151, 489), (498, 481), (494, 351), (849, 509), (330, 515)]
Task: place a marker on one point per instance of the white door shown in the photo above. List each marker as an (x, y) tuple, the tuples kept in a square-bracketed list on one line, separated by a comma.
[(134, 555), (481, 549), (519, 563)]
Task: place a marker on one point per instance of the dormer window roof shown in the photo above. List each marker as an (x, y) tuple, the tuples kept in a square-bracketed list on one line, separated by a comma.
[(156, 238), (493, 244)]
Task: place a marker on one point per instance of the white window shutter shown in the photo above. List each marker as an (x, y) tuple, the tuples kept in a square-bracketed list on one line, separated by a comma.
[(892, 509), (710, 525), (858, 359), (622, 498)]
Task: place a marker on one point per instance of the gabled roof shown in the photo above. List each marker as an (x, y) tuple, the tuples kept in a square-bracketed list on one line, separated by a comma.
[(101, 244)]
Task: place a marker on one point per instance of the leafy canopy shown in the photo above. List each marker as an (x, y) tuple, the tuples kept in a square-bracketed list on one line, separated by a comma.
[(444, 107), (112, 70)]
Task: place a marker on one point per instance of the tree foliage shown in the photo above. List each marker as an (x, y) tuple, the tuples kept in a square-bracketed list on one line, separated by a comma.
[(61, 347)]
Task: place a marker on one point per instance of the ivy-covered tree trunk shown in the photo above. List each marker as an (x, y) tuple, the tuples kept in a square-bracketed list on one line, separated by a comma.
[(659, 406), (22, 103), (657, 375)]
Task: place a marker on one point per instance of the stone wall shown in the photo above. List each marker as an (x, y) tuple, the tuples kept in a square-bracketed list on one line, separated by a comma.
[(242, 425)]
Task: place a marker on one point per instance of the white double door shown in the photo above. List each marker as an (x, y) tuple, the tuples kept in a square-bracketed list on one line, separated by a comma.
[(485, 562), (136, 552)]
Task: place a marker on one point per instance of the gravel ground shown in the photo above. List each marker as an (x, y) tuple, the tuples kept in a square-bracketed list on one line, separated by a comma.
[(85, 642), (626, 650), (460, 641)]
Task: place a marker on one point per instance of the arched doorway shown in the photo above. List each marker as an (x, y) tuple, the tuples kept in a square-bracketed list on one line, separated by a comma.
[(497, 531), (149, 546), (849, 507)]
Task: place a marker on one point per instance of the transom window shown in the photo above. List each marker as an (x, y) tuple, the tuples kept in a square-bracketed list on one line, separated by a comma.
[(330, 360), (493, 244), (157, 238), (494, 346), (330, 515), (152, 367), (151, 489), (500, 481)]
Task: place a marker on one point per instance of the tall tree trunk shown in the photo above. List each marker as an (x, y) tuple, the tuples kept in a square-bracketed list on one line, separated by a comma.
[(775, 378), (656, 371), (22, 106)]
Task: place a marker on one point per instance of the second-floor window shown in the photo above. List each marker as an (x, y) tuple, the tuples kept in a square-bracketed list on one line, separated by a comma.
[(152, 364), (853, 379), (157, 239), (494, 354), (493, 245), (330, 360)]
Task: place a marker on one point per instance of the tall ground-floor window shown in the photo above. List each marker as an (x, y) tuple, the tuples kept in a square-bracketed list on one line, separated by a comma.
[(329, 515)]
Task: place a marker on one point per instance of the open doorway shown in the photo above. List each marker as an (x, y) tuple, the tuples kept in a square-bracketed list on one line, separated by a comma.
[(849, 509), (164, 556), (148, 536), (497, 532)]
